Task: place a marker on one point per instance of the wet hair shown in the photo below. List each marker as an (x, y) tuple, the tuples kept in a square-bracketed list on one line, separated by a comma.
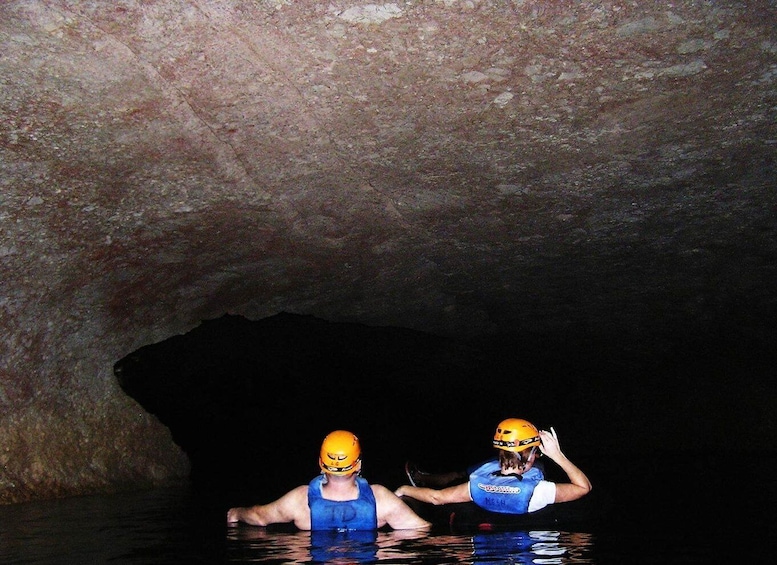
[(514, 459)]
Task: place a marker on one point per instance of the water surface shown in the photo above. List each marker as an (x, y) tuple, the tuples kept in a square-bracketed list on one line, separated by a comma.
[(675, 511)]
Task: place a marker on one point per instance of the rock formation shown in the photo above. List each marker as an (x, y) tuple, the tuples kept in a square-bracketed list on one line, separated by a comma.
[(461, 167)]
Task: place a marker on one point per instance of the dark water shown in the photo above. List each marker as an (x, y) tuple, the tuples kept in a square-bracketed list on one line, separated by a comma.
[(674, 511)]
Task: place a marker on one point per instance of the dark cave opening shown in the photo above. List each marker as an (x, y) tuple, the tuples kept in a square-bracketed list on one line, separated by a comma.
[(250, 401), (244, 398)]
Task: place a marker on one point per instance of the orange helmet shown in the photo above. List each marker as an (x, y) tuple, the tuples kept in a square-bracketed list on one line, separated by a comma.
[(515, 434), (340, 453)]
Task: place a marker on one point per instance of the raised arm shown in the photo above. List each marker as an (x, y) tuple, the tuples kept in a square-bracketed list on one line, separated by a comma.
[(291, 507), (456, 493), (578, 485)]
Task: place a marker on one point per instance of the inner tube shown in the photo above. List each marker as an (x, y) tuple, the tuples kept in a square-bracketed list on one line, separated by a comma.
[(468, 516)]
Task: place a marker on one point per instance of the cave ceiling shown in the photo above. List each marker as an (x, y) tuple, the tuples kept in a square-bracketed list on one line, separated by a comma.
[(459, 167)]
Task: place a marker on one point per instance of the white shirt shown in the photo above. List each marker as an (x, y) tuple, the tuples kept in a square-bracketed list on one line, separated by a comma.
[(544, 494)]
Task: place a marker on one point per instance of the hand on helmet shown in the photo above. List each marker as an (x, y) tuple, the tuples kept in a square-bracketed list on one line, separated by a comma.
[(549, 445)]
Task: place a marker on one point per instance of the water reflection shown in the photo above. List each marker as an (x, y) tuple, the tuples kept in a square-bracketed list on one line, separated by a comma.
[(540, 546), (344, 547), (258, 545)]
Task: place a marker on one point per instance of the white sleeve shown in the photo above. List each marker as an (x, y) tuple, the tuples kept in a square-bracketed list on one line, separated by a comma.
[(544, 494)]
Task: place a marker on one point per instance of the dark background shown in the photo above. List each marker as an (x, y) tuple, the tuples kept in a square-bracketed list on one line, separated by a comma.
[(678, 435)]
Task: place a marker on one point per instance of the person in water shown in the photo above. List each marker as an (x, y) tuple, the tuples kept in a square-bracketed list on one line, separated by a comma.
[(509, 483), (338, 499)]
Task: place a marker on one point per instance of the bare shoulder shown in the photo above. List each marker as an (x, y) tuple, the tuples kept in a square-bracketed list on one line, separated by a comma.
[(298, 492), (380, 490), (294, 497), (393, 511), (384, 495), (292, 506)]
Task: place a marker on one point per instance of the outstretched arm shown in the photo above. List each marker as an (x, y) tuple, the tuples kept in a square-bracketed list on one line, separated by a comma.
[(456, 493), (578, 485), (291, 507)]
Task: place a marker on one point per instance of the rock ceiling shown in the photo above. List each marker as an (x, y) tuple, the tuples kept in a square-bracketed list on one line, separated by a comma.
[(458, 167)]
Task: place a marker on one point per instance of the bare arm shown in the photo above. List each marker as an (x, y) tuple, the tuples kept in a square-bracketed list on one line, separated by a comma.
[(578, 485), (291, 507), (456, 493), (394, 512)]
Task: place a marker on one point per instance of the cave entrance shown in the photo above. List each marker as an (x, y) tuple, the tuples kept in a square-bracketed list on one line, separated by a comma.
[(250, 400)]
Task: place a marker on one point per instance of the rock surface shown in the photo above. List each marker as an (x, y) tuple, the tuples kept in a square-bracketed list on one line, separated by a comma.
[(461, 167)]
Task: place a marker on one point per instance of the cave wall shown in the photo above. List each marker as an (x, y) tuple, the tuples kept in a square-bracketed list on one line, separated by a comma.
[(459, 167)]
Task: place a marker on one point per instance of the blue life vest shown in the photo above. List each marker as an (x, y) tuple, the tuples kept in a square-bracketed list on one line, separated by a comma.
[(342, 515), (506, 494)]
